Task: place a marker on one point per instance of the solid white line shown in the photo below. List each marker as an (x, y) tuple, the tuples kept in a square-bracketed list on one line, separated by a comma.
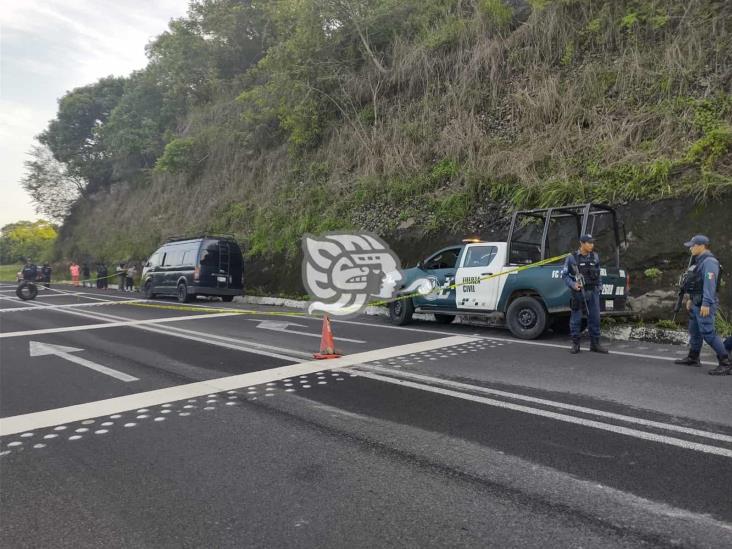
[(48, 418), (97, 367), (552, 403), (559, 417), (85, 327), (503, 339), (203, 337), (68, 306)]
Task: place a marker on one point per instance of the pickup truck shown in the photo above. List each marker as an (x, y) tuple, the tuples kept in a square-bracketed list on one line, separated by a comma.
[(527, 300)]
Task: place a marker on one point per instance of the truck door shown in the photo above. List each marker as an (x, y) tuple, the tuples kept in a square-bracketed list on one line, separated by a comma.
[(441, 266), (473, 290)]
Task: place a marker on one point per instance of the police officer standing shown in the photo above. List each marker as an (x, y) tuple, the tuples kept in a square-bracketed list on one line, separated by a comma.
[(581, 273), (46, 275), (30, 271), (701, 283)]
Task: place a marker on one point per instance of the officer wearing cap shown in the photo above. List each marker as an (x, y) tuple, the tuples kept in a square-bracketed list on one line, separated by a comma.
[(581, 274), (702, 283)]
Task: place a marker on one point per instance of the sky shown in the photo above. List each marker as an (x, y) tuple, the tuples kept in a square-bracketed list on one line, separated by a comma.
[(49, 47)]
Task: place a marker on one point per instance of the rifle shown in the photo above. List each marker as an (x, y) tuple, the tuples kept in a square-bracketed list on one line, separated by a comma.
[(580, 279), (681, 284)]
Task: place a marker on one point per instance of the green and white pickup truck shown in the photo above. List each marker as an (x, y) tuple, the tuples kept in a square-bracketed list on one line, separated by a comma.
[(528, 300)]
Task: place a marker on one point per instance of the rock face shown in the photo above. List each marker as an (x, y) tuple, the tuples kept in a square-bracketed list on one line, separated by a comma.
[(655, 233)]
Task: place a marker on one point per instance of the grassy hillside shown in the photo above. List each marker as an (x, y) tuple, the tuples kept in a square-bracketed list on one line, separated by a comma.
[(432, 117)]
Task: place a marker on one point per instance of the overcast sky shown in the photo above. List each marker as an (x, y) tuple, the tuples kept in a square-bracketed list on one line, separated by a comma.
[(48, 47)]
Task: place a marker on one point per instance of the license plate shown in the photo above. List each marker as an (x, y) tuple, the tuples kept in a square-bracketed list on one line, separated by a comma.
[(221, 278)]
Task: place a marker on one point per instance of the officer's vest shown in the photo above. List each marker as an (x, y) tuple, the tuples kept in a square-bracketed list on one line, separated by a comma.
[(589, 267), (694, 283)]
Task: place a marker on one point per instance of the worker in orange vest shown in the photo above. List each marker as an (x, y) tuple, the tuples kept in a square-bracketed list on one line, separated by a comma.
[(74, 270)]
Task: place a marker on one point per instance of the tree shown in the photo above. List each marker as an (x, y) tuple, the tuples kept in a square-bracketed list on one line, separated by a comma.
[(27, 239), (53, 189), (74, 136)]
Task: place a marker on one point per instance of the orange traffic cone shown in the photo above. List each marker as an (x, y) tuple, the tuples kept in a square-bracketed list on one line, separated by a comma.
[(327, 345)]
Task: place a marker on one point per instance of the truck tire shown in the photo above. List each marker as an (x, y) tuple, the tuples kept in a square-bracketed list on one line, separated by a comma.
[(182, 293), (26, 290), (147, 290), (401, 311), (444, 319), (526, 318)]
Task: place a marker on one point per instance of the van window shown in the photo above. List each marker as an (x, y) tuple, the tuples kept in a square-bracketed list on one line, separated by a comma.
[(189, 258), (210, 254), (480, 256), (172, 258), (154, 260)]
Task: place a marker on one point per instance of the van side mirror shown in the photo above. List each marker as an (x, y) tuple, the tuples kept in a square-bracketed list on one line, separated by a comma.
[(420, 264)]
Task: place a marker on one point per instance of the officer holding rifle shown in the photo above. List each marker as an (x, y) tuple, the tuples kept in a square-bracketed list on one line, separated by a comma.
[(701, 283)]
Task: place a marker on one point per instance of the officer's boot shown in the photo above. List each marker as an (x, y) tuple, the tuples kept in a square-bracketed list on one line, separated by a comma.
[(575, 346), (691, 360), (724, 368), (595, 346)]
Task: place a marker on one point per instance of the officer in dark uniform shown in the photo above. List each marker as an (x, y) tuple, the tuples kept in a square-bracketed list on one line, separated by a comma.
[(30, 271), (581, 273), (701, 283), (46, 275)]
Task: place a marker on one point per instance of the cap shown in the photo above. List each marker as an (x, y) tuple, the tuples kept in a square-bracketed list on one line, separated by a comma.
[(699, 239), (586, 238)]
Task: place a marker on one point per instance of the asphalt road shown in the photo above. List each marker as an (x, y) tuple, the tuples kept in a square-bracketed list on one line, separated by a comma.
[(128, 423)]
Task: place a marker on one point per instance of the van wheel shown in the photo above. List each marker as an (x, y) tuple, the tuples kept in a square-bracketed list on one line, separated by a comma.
[(526, 318), (444, 319), (227, 298), (182, 293), (401, 311), (147, 290)]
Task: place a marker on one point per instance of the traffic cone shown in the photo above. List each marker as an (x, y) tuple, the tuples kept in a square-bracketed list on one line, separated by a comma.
[(327, 345)]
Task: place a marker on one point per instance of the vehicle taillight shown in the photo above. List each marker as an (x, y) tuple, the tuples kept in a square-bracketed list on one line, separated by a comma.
[(627, 283), (196, 273)]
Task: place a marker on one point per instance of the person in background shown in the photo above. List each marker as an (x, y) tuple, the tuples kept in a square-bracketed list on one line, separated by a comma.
[(122, 277), (131, 274), (102, 276), (46, 275), (30, 271), (86, 275), (75, 271)]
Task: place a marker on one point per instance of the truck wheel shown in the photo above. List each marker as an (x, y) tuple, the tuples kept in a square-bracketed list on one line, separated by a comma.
[(444, 319), (182, 293), (526, 318), (147, 290), (401, 311), (26, 290)]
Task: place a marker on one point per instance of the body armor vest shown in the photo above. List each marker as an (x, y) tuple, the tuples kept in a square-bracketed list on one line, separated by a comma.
[(589, 267), (694, 279)]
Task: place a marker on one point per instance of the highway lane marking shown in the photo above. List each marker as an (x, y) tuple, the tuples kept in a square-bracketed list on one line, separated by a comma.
[(281, 326), (552, 403), (201, 337), (38, 348), (68, 306), (643, 435), (85, 327), (89, 410)]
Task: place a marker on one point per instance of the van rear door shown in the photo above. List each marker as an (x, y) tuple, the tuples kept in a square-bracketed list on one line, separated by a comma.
[(221, 264)]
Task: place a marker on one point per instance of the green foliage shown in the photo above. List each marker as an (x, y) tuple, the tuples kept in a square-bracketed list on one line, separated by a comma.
[(27, 239), (497, 11), (723, 324), (178, 157), (567, 55), (629, 21), (654, 273), (667, 325)]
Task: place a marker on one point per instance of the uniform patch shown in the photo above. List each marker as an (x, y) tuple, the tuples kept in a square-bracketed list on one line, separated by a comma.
[(710, 276)]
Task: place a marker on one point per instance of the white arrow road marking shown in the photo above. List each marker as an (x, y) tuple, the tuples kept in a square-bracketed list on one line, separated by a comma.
[(281, 326), (42, 349)]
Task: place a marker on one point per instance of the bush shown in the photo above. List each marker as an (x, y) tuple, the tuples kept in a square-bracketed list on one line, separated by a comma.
[(178, 157), (653, 273)]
